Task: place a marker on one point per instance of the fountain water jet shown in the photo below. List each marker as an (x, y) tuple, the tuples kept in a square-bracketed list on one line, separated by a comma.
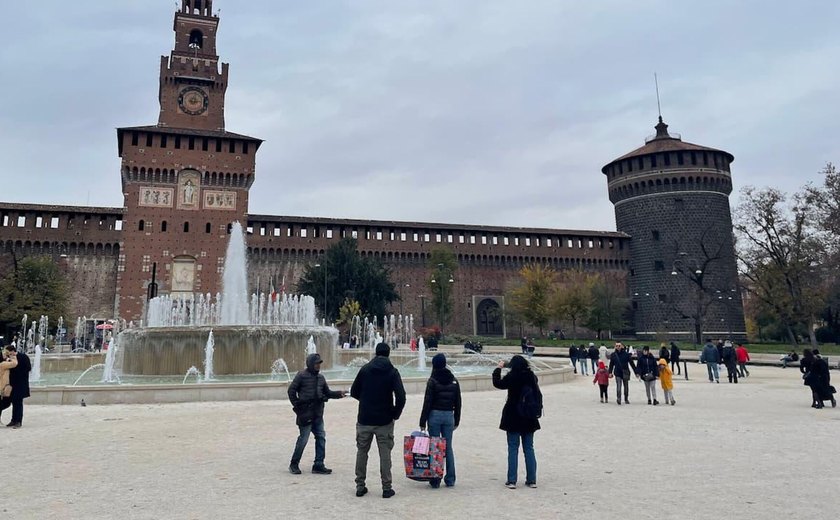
[(208, 357)]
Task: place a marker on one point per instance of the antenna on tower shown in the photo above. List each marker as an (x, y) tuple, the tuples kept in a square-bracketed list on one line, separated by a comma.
[(658, 106)]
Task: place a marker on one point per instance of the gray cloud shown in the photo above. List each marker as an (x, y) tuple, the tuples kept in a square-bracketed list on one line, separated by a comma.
[(476, 111)]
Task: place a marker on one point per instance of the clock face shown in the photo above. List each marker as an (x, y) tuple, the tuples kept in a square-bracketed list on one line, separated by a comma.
[(193, 101)]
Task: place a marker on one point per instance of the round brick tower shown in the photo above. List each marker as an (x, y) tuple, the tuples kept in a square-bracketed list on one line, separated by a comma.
[(672, 198)]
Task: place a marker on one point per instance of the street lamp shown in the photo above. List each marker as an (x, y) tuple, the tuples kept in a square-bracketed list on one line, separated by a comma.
[(325, 290), (401, 298), (441, 267), (682, 265)]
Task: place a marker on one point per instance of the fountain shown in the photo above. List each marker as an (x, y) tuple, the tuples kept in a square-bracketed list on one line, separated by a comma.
[(192, 371), (310, 346), (208, 357), (248, 333), (276, 367), (35, 373), (92, 367), (109, 375), (421, 354)]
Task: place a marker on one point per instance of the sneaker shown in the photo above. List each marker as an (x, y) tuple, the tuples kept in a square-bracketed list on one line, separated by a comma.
[(673, 402), (294, 469), (601, 400), (619, 402), (626, 401), (532, 485), (388, 493), (320, 469), (717, 381), (655, 402), (649, 401), (510, 485), (362, 491)]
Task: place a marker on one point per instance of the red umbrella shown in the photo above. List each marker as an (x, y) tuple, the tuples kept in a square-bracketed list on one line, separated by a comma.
[(104, 326)]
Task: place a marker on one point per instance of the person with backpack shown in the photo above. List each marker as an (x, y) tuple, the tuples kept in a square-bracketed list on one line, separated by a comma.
[(520, 416), (602, 377)]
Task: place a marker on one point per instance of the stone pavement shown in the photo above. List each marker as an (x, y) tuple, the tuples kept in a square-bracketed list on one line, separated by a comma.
[(755, 450)]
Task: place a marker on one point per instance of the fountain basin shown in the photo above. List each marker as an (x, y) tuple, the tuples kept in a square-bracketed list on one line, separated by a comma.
[(239, 349)]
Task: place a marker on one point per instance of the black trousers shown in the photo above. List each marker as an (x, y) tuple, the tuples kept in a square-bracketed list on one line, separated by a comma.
[(17, 410)]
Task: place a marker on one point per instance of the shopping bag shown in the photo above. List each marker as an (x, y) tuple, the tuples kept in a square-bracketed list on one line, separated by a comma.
[(425, 461)]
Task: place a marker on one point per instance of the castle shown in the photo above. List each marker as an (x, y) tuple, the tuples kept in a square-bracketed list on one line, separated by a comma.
[(186, 178)]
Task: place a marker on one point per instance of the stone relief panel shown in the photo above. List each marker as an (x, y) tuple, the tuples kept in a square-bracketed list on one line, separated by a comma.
[(183, 274), (188, 189), (156, 197), (225, 200)]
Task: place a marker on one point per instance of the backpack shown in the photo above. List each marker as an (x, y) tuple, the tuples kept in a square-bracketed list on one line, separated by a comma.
[(530, 404)]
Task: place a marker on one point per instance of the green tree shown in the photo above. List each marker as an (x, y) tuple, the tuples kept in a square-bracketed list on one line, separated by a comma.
[(35, 286), (573, 300), (341, 274), (779, 251), (608, 304), (531, 300), (443, 264)]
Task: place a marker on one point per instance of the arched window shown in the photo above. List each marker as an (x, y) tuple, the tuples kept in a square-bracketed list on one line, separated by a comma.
[(141, 226), (208, 228), (197, 38), (163, 226), (186, 227)]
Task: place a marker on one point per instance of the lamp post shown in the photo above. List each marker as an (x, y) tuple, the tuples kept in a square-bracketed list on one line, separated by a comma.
[(406, 285), (325, 289), (725, 298), (682, 265), (440, 269)]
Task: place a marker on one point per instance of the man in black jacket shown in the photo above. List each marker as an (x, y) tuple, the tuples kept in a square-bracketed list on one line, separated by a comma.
[(379, 390), (620, 363), (308, 392), (19, 379)]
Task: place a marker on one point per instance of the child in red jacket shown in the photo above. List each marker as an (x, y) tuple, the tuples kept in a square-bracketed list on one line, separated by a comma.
[(602, 377)]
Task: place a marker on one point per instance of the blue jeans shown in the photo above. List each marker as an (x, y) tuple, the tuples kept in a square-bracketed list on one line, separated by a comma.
[(316, 427), (513, 439), (442, 424), (583, 364), (713, 371)]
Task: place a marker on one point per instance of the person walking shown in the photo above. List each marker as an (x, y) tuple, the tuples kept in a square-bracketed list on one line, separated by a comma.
[(664, 352), (308, 392), (583, 360), (675, 358), (666, 379), (709, 356), (379, 389), (518, 382), (602, 353), (442, 412), (743, 357), (805, 367), (602, 378), (19, 379), (620, 363), (730, 360), (648, 370), (573, 356), (593, 357), (821, 381)]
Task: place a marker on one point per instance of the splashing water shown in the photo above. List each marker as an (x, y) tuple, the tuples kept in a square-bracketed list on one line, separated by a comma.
[(109, 375), (235, 280), (421, 354), (209, 350), (192, 372), (35, 374), (278, 368), (310, 346), (98, 365)]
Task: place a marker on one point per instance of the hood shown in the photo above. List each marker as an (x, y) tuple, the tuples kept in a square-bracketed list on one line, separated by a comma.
[(380, 364), (601, 364), (443, 376), (518, 363), (312, 360), (663, 362)]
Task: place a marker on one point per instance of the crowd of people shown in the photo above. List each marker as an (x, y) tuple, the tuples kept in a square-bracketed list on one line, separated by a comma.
[(379, 390)]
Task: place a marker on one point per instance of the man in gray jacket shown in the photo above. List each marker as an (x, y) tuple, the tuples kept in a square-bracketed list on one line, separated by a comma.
[(308, 392), (710, 356)]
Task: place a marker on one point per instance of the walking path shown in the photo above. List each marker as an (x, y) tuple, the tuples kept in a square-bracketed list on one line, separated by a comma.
[(752, 451)]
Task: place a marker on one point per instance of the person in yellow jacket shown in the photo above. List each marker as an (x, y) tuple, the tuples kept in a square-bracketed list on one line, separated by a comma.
[(666, 379)]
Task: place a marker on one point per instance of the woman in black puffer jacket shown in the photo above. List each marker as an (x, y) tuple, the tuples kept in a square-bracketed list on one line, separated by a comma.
[(442, 411), (518, 428)]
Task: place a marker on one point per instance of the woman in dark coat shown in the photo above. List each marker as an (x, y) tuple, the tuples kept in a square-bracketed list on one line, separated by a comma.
[(805, 365), (821, 381), (442, 412), (518, 428)]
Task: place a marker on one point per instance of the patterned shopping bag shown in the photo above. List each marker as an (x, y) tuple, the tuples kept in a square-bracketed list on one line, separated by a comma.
[(426, 461)]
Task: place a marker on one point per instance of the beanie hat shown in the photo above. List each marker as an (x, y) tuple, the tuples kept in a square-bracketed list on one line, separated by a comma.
[(439, 361), (383, 350)]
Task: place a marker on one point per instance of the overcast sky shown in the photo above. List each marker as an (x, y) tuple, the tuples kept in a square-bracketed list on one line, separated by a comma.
[(496, 112)]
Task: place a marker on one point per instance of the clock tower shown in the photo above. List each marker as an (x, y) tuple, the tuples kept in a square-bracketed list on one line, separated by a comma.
[(186, 179)]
